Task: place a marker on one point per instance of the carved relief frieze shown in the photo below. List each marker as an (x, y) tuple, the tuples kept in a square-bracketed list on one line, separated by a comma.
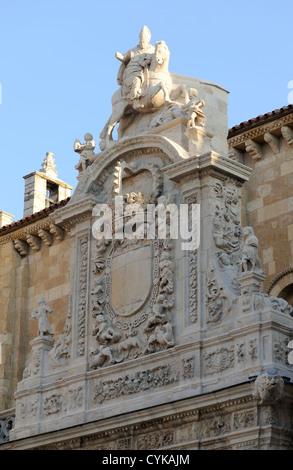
[(227, 233), (192, 274), (222, 288), (188, 367), (135, 382), (155, 440), (76, 396), (215, 426), (253, 349), (219, 359), (54, 404), (245, 419)]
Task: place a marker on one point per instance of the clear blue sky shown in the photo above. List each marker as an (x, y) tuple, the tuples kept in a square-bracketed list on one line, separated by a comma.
[(58, 68)]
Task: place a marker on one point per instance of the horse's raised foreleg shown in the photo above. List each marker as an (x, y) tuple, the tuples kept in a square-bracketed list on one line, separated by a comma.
[(166, 92)]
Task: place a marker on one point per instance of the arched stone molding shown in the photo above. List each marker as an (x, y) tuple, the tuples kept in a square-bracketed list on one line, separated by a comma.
[(280, 282), (174, 152)]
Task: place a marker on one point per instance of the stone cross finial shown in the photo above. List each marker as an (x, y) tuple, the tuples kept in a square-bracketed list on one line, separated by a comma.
[(48, 166)]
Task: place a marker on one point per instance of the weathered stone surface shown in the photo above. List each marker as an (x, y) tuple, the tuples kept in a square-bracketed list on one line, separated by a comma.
[(147, 328)]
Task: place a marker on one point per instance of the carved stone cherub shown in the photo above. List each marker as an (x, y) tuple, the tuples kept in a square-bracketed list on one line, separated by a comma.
[(41, 314), (196, 116), (85, 150)]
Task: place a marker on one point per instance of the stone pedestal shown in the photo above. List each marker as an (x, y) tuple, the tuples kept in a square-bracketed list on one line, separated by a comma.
[(250, 283), (41, 346), (198, 142)]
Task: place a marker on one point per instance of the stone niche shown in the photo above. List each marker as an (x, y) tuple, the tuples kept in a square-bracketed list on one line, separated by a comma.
[(148, 322)]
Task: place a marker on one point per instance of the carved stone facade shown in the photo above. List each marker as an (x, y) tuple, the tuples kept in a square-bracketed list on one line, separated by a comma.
[(166, 344)]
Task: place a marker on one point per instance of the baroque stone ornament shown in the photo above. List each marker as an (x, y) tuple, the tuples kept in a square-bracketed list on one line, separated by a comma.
[(135, 382), (131, 317), (133, 278), (155, 325)]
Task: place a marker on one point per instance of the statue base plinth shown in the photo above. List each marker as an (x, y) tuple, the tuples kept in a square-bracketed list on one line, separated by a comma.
[(250, 284), (251, 279), (45, 343), (198, 142)]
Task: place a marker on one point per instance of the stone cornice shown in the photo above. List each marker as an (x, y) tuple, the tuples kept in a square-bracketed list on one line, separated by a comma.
[(189, 410), (73, 213), (262, 120), (259, 130), (207, 162)]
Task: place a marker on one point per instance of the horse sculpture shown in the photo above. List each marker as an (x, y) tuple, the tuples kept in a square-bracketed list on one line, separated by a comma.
[(155, 91)]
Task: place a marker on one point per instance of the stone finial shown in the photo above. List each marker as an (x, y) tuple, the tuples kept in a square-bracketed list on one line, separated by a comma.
[(48, 166)]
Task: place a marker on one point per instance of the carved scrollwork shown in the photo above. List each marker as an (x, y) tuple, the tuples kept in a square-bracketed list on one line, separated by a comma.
[(135, 382), (227, 233), (132, 299)]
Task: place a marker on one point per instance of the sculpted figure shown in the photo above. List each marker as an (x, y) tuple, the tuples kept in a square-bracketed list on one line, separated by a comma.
[(131, 342), (195, 114), (159, 311), (103, 331), (131, 72), (85, 150), (41, 314), (100, 356), (162, 336), (250, 260)]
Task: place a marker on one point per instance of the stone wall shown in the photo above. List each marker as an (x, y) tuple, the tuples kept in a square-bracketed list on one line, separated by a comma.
[(41, 271), (266, 147)]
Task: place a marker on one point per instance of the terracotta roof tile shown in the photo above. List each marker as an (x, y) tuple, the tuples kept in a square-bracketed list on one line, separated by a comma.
[(33, 217), (261, 119)]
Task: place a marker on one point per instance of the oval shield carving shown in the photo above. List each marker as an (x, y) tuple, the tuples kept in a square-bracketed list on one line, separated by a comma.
[(131, 281)]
